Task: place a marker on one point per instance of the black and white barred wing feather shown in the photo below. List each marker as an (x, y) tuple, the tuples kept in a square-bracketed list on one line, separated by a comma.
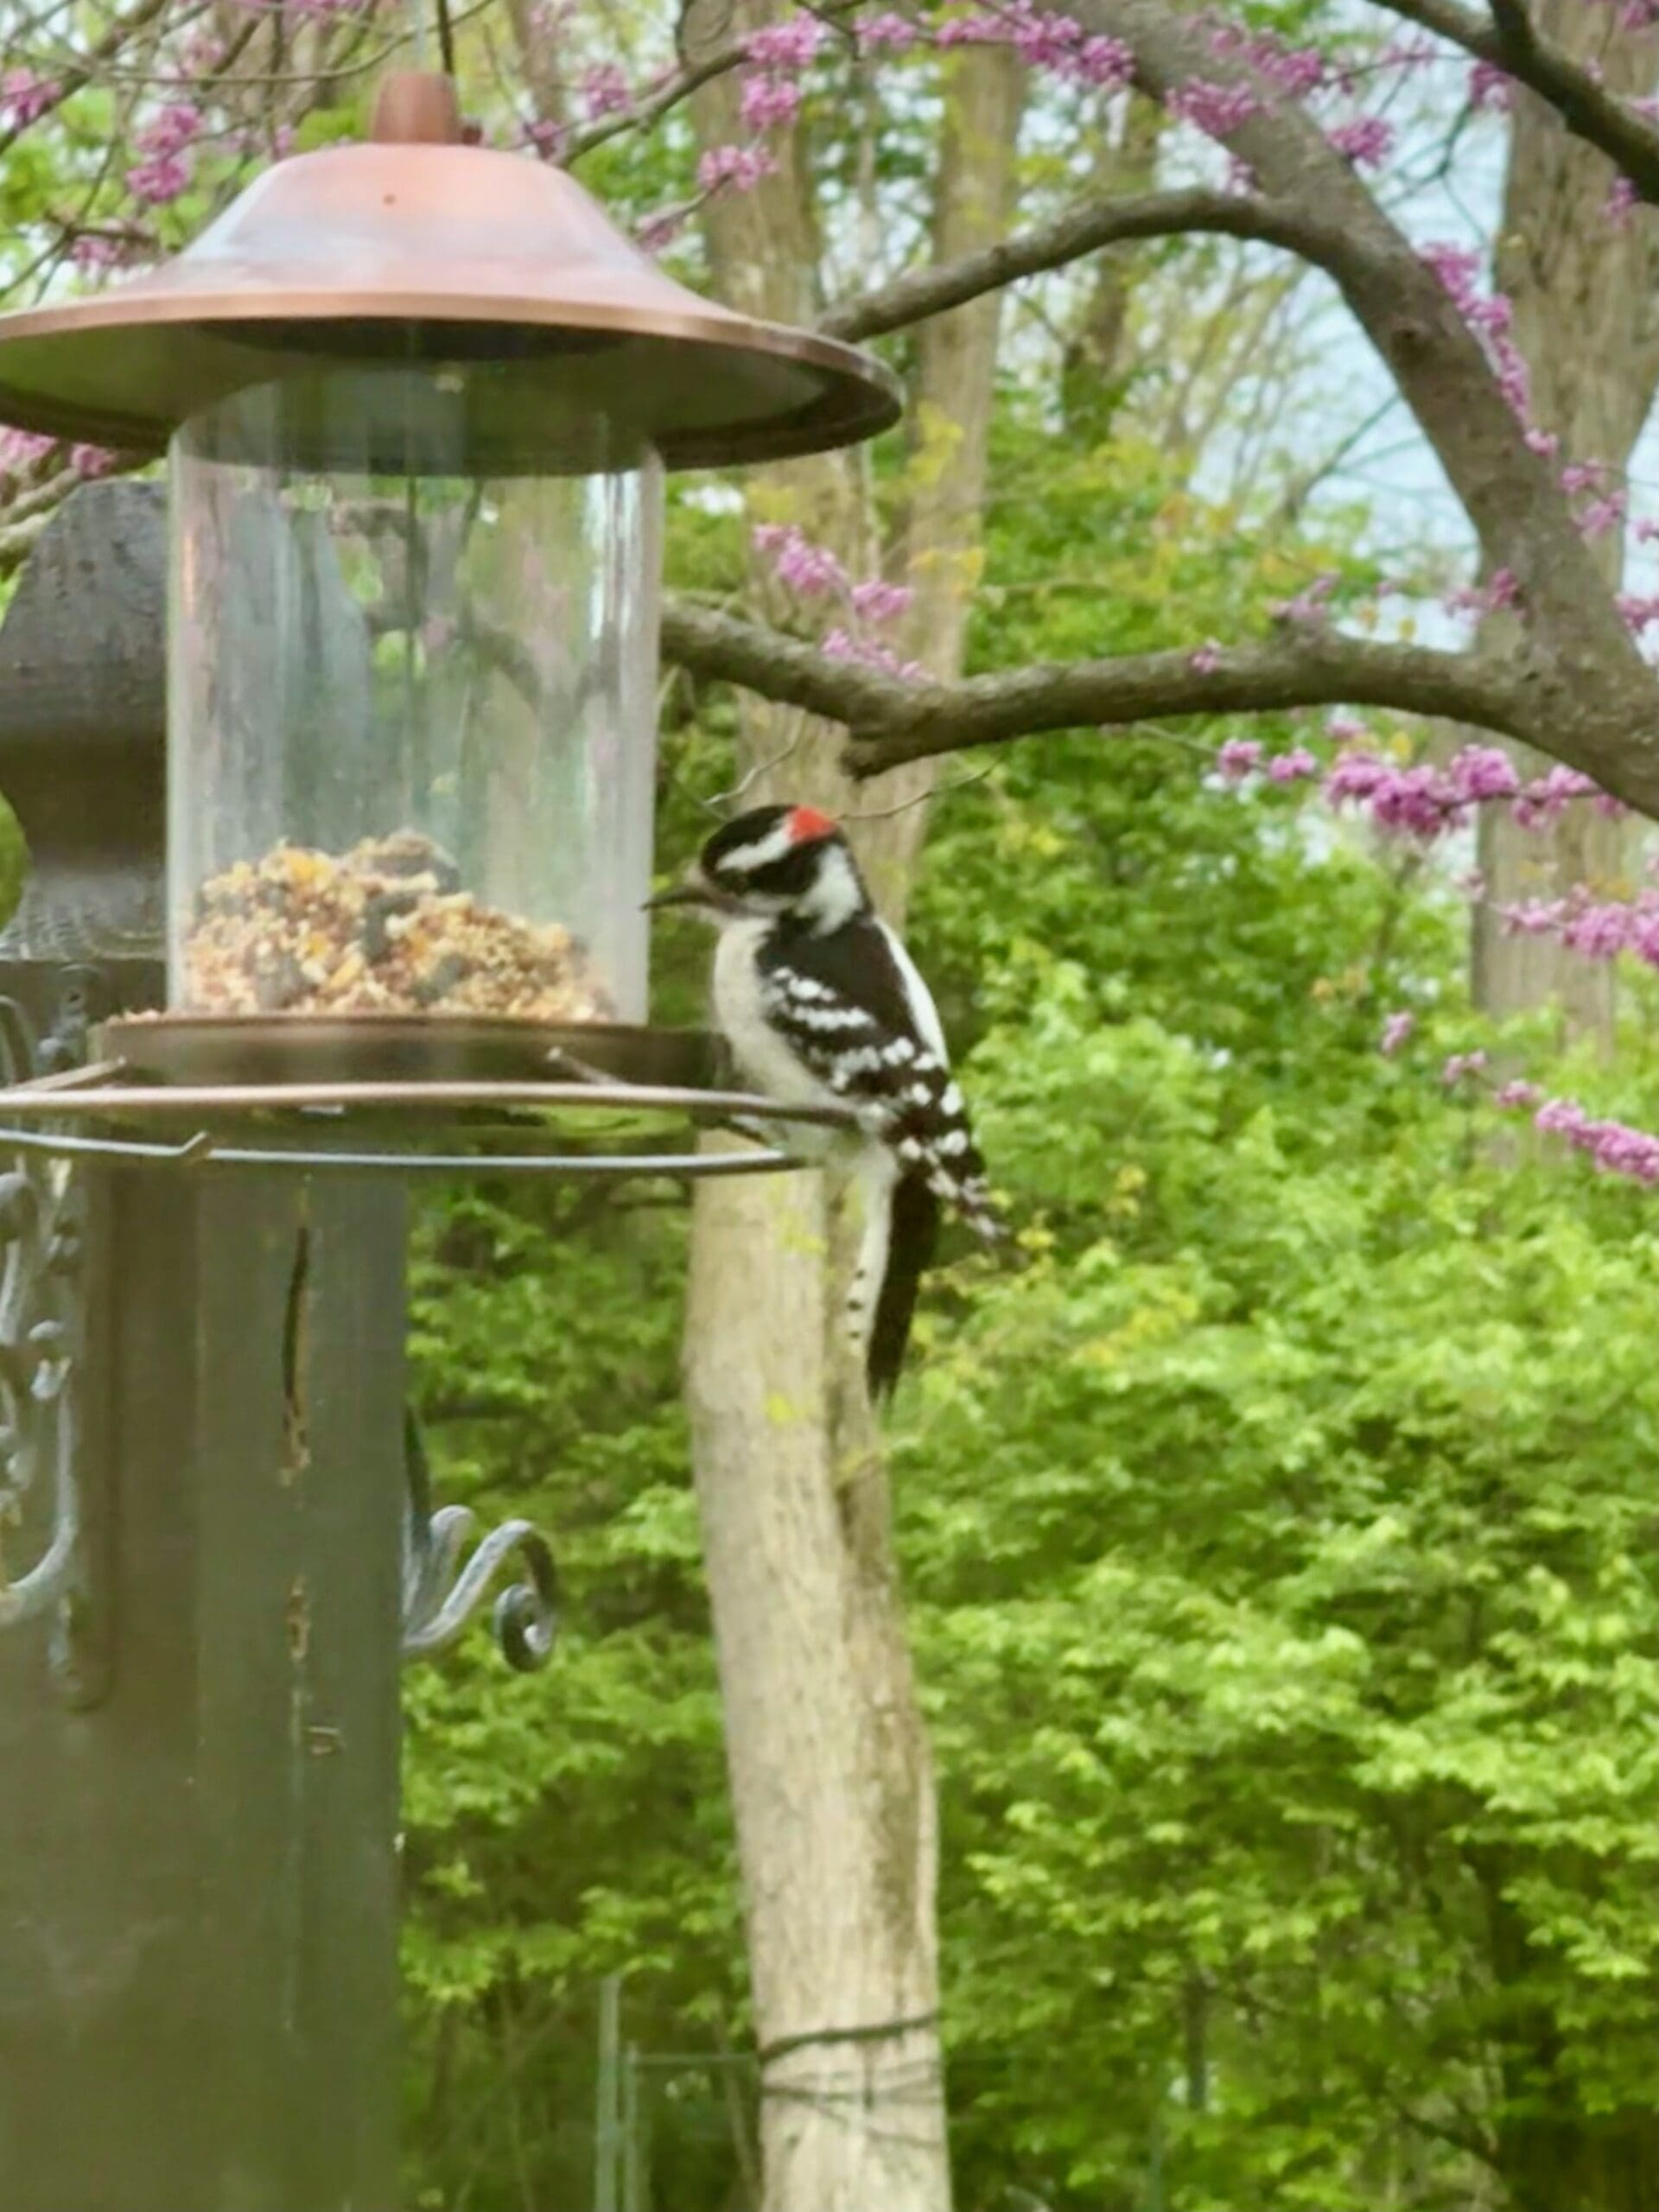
[(849, 1017), (857, 1013)]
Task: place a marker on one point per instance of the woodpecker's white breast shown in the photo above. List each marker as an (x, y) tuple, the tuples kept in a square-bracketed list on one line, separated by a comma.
[(764, 1059)]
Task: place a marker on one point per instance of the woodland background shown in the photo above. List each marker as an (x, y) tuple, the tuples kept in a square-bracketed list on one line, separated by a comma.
[(1277, 1540)]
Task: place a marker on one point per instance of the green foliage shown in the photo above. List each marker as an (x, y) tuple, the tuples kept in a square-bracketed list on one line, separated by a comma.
[(1278, 1533)]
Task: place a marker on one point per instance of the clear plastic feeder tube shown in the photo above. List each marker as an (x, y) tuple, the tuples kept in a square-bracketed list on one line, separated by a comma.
[(411, 709)]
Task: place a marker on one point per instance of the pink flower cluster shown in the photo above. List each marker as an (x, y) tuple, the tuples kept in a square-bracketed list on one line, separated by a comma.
[(885, 34), (1460, 1066), (93, 251), (845, 645), (21, 449), (165, 144), (1596, 929), (808, 570), (1490, 89), (1424, 802), (741, 167), (1396, 1032), (1490, 318), (1502, 589), (25, 97), (1057, 44), (604, 90), (1615, 1147), (1217, 110), (1310, 604), (813, 572), (770, 95), (1293, 70), (1367, 142)]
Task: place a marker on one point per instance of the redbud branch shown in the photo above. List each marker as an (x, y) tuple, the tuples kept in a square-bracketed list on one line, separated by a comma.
[(894, 720), (1510, 40), (1068, 237)]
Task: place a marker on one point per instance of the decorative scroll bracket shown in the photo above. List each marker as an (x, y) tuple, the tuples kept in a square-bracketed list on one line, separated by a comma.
[(52, 1488), (441, 1596)]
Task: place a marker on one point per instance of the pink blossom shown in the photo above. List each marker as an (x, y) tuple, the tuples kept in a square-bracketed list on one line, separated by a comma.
[(976, 29), (886, 32), (808, 570), (1621, 202), (1533, 917), (1366, 142), (1517, 1094), (1105, 63), (1582, 476), (792, 44), (882, 602), (170, 130), (1460, 1067), (1545, 443), (1599, 932), (1345, 726), (1238, 758), (1560, 1117), (25, 97), (1309, 604), (841, 644), (1292, 766), (1547, 798), (1355, 776), (741, 167), (1615, 1147), (1478, 773), (605, 90), (1490, 89), (769, 102), (1458, 268), (21, 449), (1602, 516), (1396, 1031), (547, 139), (91, 461), (1206, 659), (159, 178), (659, 231), (91, 250), (1217, 110), (1502, 589)]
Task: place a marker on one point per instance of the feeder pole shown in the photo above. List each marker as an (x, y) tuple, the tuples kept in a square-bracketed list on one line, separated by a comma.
[(199, 1738)]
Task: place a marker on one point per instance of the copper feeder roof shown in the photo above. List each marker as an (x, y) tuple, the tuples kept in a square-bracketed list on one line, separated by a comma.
[(415, 250)]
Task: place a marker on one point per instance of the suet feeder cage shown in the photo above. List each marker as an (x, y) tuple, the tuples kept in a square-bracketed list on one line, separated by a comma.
[(418, 398)]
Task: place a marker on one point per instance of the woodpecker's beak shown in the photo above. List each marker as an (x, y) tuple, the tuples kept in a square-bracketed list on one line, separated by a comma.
[(695, 890)]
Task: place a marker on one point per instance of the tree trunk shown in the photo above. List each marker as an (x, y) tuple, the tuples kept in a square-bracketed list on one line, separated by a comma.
[(1583, 290), (832, 1783)]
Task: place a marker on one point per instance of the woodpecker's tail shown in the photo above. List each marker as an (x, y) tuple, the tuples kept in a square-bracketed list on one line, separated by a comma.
[(913, 1236)]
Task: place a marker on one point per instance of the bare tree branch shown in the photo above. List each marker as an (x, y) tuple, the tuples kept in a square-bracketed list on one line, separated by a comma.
[(1510, 40), (1307, 664), (1079, 230)]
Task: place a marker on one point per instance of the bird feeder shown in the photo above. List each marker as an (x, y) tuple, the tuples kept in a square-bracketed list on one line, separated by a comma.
[(419, 399)]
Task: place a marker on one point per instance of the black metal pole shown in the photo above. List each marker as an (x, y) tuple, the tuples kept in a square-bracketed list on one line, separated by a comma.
[(198, 1813)]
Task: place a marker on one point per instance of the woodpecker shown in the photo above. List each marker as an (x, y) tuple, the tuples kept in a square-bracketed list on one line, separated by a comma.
[(821, 1005)]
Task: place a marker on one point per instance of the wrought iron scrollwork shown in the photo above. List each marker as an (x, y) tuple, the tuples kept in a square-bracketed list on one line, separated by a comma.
[(441, 1596), (48, 1523)]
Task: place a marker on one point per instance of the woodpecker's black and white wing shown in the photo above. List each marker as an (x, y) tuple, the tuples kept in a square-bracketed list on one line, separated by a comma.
[(852, 1010)]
